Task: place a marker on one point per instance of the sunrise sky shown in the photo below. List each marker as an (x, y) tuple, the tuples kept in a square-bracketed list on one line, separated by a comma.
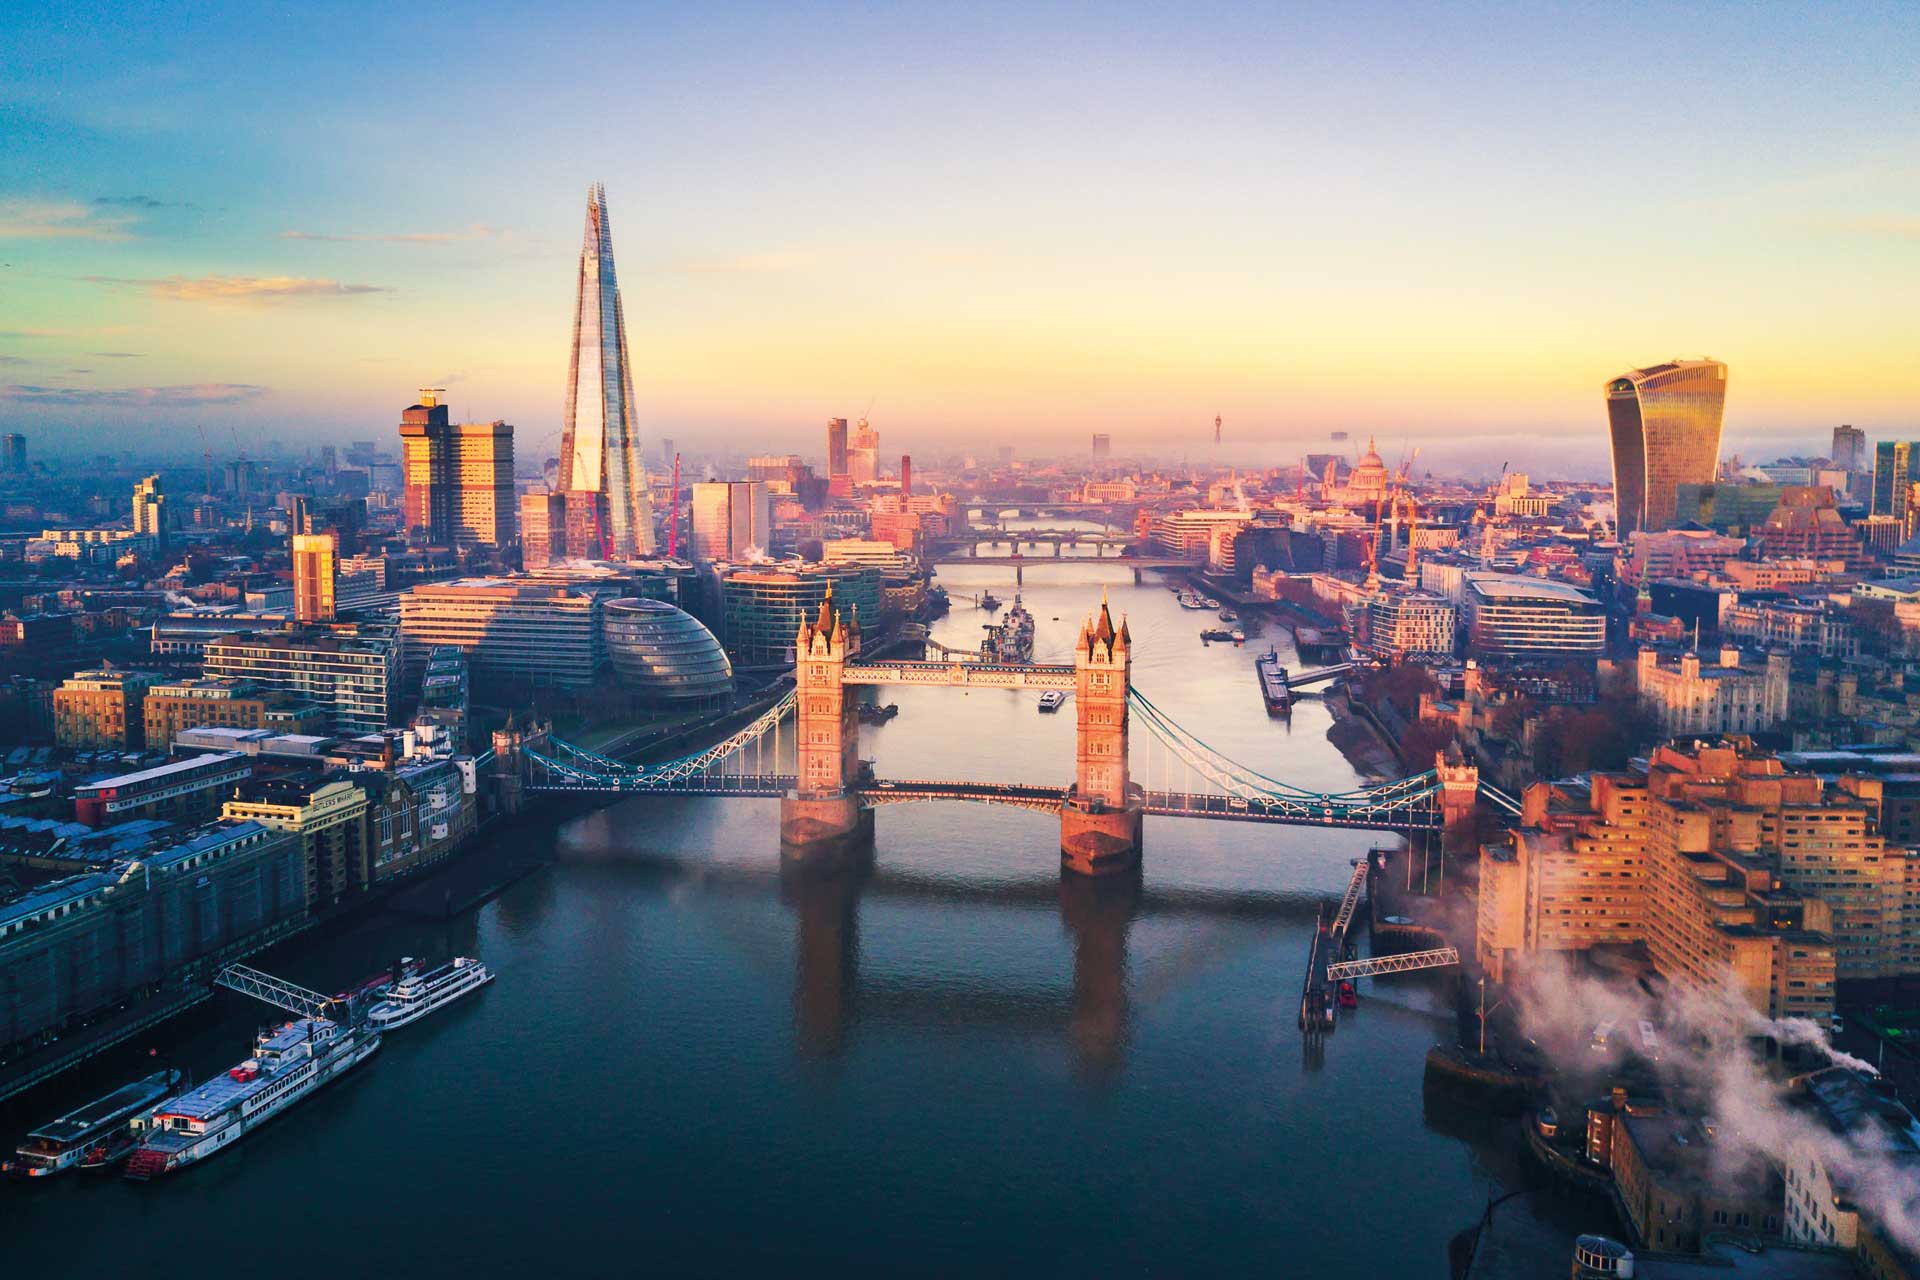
[(1444, 224)]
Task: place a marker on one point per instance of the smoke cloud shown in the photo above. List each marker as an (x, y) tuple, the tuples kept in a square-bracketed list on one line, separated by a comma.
[(1707, 1060)]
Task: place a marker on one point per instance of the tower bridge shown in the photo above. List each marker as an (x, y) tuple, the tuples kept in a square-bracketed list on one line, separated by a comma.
[(827, 803)]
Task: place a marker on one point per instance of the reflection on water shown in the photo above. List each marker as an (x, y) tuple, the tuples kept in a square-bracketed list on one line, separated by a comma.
[(951, 1059)]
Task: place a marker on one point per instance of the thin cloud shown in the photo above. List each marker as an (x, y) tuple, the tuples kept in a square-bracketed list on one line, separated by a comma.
[(1894, 228), (59, 220), (192, 395), (117, 355), (474, 231), (14, 360), (236, 288), (774, 262), (140, 202), (79, 371)]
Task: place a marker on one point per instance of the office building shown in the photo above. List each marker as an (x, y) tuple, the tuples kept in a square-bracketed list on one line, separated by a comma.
[(101, 709), (762, 607), (600, 440), (731, 521), (1102, 446), (1689, 697), (1844, 1113), (1806, 525), (1665, 426), (836, 448), (666, 657), (351, 669), (543, 529), (173, 707), (515, 632), (150, 510), (13, 452), (1849, 451), (1893, 477), (906, 476), (1511, 616), (426, 469), (94, 945), (458, 477), (315, 567)]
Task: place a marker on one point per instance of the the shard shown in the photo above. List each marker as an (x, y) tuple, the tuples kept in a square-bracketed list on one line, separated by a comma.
[(600, 451)]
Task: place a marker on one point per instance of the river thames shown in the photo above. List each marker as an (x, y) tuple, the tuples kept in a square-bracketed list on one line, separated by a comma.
[(956, 1062)]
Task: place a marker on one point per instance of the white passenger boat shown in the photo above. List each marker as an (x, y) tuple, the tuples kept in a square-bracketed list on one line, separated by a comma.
[(59, 1145), (287, 1065), (1052, 699), (417, 995)]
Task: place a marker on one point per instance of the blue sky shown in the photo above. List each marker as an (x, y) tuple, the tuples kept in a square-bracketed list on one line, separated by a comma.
[(1012, 222)]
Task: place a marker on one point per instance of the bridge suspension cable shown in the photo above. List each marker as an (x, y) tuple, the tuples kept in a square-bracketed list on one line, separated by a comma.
[(1248, 783), (586, 767)]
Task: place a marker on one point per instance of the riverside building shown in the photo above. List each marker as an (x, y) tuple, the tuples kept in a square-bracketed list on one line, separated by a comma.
[(101, 709), (1513, 616), (761, 608)]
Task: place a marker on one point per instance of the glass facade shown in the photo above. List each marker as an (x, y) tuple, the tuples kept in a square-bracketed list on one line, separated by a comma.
[(664, 655), (1665, 423), (762, 608), (600, 447)]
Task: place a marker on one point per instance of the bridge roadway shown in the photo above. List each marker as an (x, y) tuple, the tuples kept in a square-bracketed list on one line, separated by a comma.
[(1412, 816), (1125, 562)]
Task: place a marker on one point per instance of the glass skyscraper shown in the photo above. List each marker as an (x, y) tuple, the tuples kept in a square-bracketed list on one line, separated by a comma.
[(1665, 422), (600, 450)]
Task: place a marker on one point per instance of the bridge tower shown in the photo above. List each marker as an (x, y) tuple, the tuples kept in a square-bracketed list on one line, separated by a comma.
[(1459, 801), (822, 818), (1101, 819)]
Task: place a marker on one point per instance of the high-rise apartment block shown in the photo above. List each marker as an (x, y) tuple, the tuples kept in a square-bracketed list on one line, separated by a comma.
[(731, 519), (1728, 866), (458, 477), (315, 569), (13, 452), (600, 442), (150, 510), (1665, 424)]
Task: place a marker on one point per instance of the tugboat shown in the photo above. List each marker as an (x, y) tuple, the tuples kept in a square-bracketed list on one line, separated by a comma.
[(987, 601), (69, 1142), (1215, 633), (1228, 615)]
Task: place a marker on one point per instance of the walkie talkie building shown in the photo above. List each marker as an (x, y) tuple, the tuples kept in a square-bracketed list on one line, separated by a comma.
[(1665, 422), (600, 466)]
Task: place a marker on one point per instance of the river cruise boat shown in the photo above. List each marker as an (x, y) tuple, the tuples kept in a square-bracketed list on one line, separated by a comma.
[(420, 994), (60, 1145), (1192, 600), (1052, 700), (287, 1065)]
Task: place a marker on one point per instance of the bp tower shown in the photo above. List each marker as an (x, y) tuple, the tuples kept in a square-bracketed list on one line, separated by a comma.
[(608, 515)]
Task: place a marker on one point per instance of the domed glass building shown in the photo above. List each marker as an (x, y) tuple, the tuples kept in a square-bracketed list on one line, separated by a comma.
[(663, 655)]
